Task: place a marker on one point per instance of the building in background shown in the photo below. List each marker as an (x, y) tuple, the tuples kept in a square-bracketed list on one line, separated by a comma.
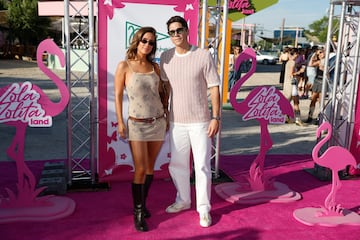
[(247, 35), (294, 36), (243, 34)]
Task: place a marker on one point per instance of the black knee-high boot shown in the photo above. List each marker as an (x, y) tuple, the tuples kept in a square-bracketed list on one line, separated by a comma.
[(147, 184), (138, 197)]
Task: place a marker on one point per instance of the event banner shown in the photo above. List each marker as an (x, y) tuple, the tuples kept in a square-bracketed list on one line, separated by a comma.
[(118, 21)]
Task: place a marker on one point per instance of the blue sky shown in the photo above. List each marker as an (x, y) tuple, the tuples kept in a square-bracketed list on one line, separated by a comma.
[(297, 13)]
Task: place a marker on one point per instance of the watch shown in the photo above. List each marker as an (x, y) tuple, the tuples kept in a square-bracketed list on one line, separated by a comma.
[(216, 118)]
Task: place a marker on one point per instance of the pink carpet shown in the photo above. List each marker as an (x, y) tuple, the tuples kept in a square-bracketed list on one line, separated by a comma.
[(108, 214)]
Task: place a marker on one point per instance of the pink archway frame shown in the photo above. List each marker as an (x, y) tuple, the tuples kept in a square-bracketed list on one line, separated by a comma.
[(114, 161)]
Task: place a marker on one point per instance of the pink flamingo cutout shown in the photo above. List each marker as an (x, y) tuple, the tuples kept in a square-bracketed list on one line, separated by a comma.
[(335, 158), (331, 214), (20, 104), (264, 104)]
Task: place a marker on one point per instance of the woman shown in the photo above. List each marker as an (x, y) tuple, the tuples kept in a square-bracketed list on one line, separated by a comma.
[(310, 71), (147, 122), (317, 61)]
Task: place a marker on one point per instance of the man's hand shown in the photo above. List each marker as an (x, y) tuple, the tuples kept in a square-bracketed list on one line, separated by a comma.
[(213, 127)]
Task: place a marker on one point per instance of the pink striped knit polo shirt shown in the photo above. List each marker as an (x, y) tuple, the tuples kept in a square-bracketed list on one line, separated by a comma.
[(190, 75)]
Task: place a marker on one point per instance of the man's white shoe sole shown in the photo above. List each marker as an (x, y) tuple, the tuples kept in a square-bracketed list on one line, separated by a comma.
[(175, 208)]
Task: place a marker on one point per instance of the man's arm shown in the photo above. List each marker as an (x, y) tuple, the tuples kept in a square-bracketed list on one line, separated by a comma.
[(215, 106)]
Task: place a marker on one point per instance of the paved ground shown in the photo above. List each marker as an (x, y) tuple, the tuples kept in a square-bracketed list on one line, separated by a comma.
[(237, 136)]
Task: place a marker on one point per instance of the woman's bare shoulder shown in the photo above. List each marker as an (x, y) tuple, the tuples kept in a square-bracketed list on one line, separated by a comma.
[(123, 64)]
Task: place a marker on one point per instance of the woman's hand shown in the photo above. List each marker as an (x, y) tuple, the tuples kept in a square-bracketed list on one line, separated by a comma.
[(122, 130)]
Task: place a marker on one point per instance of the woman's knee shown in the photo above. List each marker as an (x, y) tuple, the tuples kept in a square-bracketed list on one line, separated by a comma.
[(139, 173)]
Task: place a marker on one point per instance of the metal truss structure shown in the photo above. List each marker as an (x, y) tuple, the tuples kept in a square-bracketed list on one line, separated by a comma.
[(82, 109), (215, 16), (341, 72)]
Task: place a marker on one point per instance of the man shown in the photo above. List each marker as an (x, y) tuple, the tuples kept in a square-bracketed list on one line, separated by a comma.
[(189, 72), (235, 74), (290, 87)]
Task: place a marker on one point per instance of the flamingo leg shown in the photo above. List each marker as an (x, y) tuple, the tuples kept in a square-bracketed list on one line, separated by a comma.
[(256, 171), (267, 143), (331, 208), (16, 152), (330, 199)]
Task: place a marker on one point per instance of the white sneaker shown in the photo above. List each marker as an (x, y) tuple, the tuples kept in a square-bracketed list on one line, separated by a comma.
[(205, 219), (177, 207)]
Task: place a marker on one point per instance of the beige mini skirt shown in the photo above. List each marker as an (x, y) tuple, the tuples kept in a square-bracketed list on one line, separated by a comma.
[(144, 131)]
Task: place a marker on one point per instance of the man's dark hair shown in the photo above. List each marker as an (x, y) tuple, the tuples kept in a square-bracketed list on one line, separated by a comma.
[(179, 20)]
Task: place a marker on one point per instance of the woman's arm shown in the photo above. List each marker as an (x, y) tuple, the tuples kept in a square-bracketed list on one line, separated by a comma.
[(164, 92), (119, 86), (314, 60)]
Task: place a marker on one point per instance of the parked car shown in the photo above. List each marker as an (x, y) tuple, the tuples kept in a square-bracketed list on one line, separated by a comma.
[(266, 59)]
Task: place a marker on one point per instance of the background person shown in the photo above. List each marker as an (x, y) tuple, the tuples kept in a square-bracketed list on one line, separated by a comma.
[(284, 57), (317, 61), (290, 90), (234, 75), (146, 125), (300, 63), (310, 71)]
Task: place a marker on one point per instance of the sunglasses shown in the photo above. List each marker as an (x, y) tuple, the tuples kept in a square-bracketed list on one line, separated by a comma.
[(144, 41), (176, 31)]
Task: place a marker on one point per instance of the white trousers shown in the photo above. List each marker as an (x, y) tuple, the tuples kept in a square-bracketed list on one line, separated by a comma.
[(183, 138)]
